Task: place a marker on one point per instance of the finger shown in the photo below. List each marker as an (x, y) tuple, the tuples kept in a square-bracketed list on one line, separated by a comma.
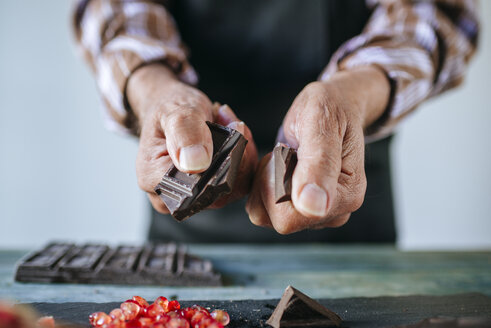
[(158, 204), (152, 160), (188, 138), (352, 181), (315, 179), (255, 207), (225, 115), (262, 206)]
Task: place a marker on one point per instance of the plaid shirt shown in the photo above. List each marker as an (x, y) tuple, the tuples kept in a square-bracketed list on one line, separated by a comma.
[(424, 48)]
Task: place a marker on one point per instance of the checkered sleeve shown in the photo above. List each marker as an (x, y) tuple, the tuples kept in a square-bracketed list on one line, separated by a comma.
[(423, 47), (118, 36)]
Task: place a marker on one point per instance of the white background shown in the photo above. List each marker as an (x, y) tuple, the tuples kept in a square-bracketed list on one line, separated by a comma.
[(63, 176)]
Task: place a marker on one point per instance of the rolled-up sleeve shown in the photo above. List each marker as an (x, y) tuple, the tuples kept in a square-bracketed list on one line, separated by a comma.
[(423, 47), (118, 36)]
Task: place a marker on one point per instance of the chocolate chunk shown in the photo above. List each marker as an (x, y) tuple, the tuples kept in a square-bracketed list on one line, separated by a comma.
[(296, 309), (186, 194), (285, 160), (159, 264)]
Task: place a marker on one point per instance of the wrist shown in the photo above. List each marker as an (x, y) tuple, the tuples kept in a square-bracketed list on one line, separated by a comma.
[(147, 86), (369, 88)]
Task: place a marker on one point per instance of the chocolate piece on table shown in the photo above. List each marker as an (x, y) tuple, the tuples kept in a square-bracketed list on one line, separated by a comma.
[(186, 194), (285, 160), (296, 309), (159, 264)]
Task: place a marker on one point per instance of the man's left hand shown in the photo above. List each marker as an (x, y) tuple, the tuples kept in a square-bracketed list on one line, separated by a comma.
[(326, 125)]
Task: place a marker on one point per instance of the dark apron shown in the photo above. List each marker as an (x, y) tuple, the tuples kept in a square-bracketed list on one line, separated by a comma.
[(256, 56)]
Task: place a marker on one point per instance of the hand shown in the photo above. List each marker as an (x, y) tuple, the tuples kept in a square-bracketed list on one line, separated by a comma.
[(326, 125), (172, 118)]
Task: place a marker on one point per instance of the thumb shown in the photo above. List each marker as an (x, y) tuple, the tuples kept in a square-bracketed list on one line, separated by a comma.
[(188, 139), (315, 179)]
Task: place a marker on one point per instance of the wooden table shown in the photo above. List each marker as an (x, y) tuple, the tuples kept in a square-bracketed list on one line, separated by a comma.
[(262, 272)]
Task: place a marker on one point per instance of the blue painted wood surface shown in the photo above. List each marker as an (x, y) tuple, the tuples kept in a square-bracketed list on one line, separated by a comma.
[(262, 272)]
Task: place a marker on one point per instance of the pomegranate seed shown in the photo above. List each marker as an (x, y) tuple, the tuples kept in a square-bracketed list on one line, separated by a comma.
[(162, 301), (177, 323), (215, 324), (130, 310), (134, 323), (115, 324), (188, 313), (221, 316), (153, 311), (140, 300), (163, 318), (145, 322), (117, 314), (46, 322), (208, 323), (174, 305), (99, 319), (173, 314), (200, 308), (132, 301), (197, 317)]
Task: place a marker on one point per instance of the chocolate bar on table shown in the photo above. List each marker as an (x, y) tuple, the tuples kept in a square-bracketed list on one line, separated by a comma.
[(158, 264), (285, 160), (186, 194)]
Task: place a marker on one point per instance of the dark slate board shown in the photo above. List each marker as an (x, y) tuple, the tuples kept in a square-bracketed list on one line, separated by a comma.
[(355, 312)]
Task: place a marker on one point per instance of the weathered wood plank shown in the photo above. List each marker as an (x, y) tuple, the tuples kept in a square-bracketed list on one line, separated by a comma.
[(262, 272)]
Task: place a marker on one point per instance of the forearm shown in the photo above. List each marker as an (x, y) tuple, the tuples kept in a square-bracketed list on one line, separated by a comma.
[(147, 87)]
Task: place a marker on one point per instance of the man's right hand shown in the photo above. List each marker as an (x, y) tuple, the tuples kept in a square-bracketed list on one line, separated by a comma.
[(172, 119)]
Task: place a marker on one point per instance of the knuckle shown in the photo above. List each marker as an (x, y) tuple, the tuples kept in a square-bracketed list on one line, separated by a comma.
[(255, 219), (143, 182), (315, 86), (285, 227), (158, 205), (180, 118)]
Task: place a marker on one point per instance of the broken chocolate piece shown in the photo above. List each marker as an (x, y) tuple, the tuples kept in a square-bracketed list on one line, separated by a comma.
[(296, 309), (186, 194), (285, 160), (159, 264)]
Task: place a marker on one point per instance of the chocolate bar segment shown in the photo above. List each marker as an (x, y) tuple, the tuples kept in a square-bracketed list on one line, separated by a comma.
[(296, 309), (159, 264), (285, 160), (43, 265), (186, 194)]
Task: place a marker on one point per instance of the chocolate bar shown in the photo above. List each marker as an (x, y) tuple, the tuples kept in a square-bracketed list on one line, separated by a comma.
[(159, 264), (296, 309), (285, 160), (186, 194)]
